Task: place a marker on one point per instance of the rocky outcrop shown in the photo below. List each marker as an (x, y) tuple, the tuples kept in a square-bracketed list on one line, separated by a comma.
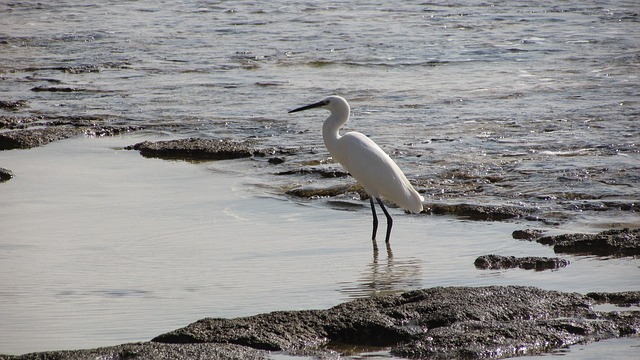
[(201, 149), (437, 323), (491, 322), (152, 351), (30, 132), (5, 174), (619, 242), (30, 138), (479, 212), (493, 262)]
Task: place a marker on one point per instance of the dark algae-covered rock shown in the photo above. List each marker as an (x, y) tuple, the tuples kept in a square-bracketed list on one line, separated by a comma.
[(527, 234), (528, 262), (5, 174), (30, 132), (623, 298), (483, 322), (321, 171), (436, 323), (619, 242), (153, 351), (12, 104), (479, 212), (200, 149), (314, 190), (30, 138), (283, 330)]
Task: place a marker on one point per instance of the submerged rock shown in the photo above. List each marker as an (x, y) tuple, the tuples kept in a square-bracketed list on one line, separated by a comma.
[(30, 132), (276, 160), (30, 138), (200, 149), (56, 89), (16, 122), (12, 104), (623, 298), (479, 212), (5, 174), (527, 234), (619, 242), (528, 263), (436, 323), (315, 190), (321, 171)]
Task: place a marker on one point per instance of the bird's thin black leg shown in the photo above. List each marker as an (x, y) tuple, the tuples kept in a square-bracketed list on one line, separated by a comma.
[(389, 219), (375, 228), (375, 219)]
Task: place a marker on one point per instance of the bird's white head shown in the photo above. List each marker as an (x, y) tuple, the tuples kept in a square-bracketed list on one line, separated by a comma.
[(335, 104)]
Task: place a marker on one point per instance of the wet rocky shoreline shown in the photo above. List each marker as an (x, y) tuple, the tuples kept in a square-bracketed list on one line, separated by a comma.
[(435, 323), (29, 132)]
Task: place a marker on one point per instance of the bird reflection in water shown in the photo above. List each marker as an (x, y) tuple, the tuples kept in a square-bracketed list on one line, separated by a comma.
[(380, 277)]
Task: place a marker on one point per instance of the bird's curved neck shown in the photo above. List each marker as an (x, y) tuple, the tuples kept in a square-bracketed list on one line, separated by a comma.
[(332, 125)]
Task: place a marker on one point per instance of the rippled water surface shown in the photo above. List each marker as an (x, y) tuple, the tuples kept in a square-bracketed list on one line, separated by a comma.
[(508, 103)]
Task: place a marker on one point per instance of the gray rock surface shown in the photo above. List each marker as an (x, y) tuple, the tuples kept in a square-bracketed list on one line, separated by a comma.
[(30, 132), (151, 351), (479, 212), (453, 322), (200, 149), (528, 262), (618, 242), (5, 174), (436, 323), (30, 138)]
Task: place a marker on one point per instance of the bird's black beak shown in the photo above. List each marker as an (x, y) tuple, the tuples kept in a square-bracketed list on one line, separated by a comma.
[(307, 107)]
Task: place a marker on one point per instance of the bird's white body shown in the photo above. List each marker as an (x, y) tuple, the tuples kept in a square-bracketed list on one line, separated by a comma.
[(378, 174)]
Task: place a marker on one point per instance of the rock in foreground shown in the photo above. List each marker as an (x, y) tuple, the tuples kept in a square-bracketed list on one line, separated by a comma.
[(152, 351), (436, 323), (485, 322)]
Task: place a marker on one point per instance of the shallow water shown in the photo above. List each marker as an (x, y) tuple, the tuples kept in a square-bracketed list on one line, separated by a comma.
[(504, 103), (102, 246)]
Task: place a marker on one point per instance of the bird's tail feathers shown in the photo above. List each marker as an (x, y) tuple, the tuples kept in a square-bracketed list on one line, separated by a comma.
[(414, 201)]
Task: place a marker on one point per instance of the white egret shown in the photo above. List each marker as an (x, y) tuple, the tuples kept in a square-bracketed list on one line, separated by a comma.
[(378, 174)]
